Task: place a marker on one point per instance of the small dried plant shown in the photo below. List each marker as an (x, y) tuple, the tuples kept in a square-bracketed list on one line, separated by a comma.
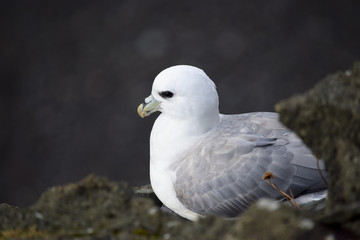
[(290, 198)]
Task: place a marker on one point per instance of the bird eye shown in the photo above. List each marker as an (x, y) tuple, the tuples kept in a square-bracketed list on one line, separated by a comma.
[(166, 94)]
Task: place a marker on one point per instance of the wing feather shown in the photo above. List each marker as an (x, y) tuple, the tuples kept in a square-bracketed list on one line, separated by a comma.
[(222, 174)]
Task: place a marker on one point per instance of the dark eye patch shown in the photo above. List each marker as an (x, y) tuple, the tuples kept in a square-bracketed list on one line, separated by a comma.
[(166, 94)]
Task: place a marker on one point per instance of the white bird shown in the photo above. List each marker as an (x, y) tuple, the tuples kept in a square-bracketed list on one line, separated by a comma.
[(206, 163)]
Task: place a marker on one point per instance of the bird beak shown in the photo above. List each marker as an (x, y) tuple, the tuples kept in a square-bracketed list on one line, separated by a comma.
[(150, 106)]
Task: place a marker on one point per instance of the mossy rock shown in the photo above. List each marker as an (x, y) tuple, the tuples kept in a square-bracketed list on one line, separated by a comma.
[(327, 118)]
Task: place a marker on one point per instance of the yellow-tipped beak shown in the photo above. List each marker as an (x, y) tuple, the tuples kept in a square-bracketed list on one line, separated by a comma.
[(150, 106)]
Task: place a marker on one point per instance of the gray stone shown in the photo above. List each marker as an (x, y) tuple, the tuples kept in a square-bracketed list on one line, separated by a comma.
[(327, 118)]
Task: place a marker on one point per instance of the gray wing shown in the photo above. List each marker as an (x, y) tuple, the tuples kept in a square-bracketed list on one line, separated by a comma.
[(222, 174)]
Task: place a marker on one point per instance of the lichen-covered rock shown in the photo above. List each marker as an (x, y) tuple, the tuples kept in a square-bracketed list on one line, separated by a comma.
[(327, 118), (12, 218), (94, 207)]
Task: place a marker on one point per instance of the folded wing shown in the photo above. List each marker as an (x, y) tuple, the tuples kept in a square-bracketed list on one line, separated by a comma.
[(222, 174)]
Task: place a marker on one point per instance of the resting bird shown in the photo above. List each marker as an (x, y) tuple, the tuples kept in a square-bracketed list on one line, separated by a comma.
[(206, 163)]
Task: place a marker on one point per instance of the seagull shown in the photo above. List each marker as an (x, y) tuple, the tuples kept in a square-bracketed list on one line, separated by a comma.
[(203, 163)]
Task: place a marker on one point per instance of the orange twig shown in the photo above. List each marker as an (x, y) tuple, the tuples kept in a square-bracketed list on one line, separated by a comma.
[(268, 176)]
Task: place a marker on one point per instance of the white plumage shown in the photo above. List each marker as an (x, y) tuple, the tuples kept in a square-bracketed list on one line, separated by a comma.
[(206, 163)]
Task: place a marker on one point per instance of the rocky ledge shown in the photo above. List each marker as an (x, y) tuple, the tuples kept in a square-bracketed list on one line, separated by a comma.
[(327, 118)]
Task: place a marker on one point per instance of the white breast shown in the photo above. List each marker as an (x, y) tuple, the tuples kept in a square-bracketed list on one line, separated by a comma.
[(162, 184), (162, 155)]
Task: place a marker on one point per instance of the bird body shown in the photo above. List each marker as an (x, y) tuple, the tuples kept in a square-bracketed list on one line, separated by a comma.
[(206, 163)]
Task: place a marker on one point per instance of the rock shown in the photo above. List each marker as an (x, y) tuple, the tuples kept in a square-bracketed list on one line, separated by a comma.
[(94, 207), (147, 191), (327, 118)]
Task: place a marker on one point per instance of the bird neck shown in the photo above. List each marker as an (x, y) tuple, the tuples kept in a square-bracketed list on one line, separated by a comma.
[(171, 136), (189, 126)]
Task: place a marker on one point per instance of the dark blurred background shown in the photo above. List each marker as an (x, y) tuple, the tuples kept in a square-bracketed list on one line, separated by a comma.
[(73, 73)]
